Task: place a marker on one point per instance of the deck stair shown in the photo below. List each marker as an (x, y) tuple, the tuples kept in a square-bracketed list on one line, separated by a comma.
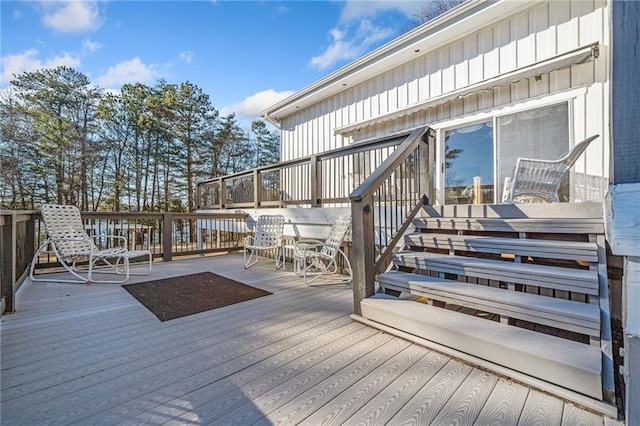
[(517, 290)]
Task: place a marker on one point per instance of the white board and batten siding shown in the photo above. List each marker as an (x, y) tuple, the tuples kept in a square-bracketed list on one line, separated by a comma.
[(474, 51)]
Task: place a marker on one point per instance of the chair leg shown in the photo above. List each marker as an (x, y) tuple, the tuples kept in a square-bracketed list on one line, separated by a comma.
[(279, 256), (81, 279), (327, 269), (247, 258)]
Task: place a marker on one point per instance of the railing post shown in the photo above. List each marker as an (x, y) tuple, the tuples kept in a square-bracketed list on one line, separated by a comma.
[(363, 250), (316, 181), (167, 240), (223, 193), (426, 153), (257, 184), (7, 269)]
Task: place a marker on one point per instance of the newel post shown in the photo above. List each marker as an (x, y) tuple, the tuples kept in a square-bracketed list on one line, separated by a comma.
[(223, 193), (316, 181), (257, 184), (7, 267), (167, 230), (426, 159), (363, 250)]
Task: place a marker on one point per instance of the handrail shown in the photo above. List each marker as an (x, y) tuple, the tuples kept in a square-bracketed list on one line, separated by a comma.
[(270, 186), (383, 172), (350, 149), (376, 197), (164, 234)]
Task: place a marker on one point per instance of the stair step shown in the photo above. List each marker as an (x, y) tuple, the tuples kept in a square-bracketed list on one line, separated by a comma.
[(566, 250), (566, 279), (554, 312), (545, 225), (559, 361)]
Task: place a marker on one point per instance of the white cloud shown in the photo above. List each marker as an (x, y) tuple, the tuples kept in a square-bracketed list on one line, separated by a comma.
[(187, 56), (132, 71), (90, 46), (355, 33), (17, 14), (72, 16), (251, 107), (343, 49), (28, 61)]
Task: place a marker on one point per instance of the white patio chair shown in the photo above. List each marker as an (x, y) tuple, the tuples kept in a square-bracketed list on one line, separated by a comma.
[(77, 252), (540, 179), (268, 236), (313, 259)]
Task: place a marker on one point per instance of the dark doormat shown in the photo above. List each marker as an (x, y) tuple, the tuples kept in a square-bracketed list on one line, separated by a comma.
[(177, 297)]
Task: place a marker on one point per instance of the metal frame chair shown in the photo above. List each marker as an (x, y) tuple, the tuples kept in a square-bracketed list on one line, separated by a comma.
[(313, 259), (541, 179), (77, 252), (268, 236)]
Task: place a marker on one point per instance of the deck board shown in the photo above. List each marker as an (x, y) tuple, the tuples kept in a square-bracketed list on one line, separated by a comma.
[(504, 406), (465, 404), (82, 354)]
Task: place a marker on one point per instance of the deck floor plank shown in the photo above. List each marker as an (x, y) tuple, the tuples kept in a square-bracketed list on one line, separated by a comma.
[(381, 408), (211, 397), (324, 392), (541, 409), (465, 404), (98, 392), (159, 395), (360, 393), (573, 416), (428, 401), (91, 354), (255, 409), (135, 343), (504, 406)]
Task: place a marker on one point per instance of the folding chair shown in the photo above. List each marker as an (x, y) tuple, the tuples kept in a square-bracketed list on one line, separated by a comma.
[(268, 236), (77, 252), (314, 259)]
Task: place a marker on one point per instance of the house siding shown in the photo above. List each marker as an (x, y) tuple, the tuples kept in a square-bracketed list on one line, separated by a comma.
[(543, 31)]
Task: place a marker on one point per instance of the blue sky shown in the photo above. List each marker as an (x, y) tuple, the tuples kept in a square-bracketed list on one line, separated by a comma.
[(247, 55)]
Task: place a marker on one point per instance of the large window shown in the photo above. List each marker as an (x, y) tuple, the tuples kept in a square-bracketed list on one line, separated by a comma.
[(468, 160), (475, 174)]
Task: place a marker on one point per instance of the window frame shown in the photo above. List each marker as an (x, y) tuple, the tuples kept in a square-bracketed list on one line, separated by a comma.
[(571, 97)]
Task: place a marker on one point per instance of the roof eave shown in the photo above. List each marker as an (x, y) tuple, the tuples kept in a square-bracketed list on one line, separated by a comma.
[(355, 71)]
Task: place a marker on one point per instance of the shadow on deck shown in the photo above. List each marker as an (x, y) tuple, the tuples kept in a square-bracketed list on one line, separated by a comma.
[(94, 355)]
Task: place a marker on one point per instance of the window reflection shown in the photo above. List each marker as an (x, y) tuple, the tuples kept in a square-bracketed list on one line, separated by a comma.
[(469, 164)]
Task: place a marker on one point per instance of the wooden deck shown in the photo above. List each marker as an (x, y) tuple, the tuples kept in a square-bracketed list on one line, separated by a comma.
[(78, 354)]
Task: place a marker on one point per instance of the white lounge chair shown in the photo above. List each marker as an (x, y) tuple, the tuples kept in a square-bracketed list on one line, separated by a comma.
[(540, 179), (314, 259), (268, 236), (77, 252)]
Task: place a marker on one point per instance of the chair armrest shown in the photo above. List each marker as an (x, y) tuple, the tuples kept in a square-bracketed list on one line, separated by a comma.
[(124, 244), (304, 246), (305, 243)]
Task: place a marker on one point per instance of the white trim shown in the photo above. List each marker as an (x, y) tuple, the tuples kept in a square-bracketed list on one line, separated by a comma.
[(577, 56), (524, 105)]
